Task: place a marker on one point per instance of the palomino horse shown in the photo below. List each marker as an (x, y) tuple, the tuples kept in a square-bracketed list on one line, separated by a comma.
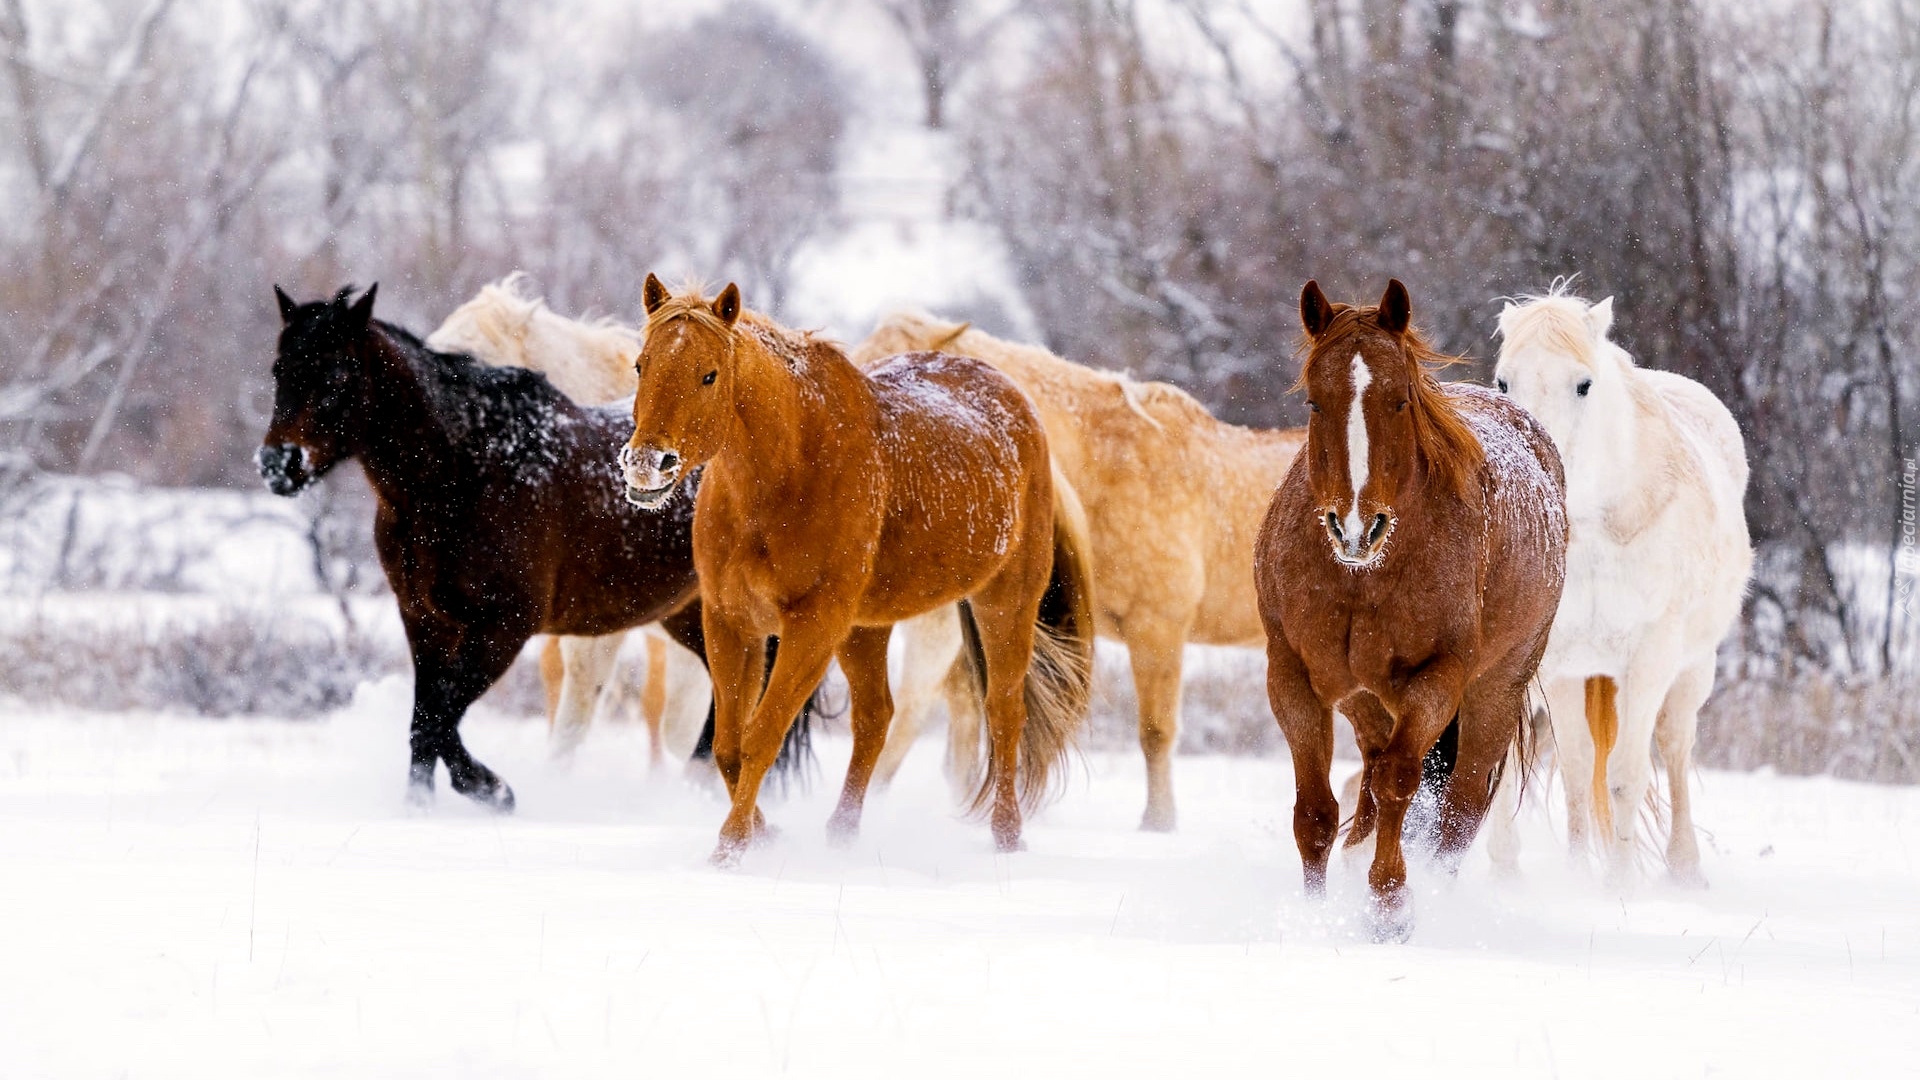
[(1408, 573), (1173, 500), (837, 502), (495, 518), (592, 362), (1656, 566)]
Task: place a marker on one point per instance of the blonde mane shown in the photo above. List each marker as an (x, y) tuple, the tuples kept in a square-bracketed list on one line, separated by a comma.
[(507, 325), (1555, 320)]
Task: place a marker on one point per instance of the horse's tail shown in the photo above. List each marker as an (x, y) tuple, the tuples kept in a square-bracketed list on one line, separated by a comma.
[(1059, 685), (1603, 721)]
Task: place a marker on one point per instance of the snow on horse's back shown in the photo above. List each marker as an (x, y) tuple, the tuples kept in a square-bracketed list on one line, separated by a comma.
[(1658, 563)]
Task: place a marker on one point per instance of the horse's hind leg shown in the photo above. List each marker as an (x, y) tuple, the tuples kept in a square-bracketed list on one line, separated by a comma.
[(863, 658), (446, 682), (1491, 717), (653, 697), (1674, 731), (1156, 653), (589, 664), (932, 642), (1004, 614)]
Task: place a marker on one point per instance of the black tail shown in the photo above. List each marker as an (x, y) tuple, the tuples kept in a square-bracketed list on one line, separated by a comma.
[(1437, 767), (796, 760)]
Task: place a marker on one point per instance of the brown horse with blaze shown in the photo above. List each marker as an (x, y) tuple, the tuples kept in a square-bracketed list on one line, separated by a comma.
[(1408, 572), (837, 502)]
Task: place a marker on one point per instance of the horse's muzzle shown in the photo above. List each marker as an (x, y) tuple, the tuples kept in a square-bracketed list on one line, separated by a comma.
[(1358, 548), (283, 466), (650, 476)]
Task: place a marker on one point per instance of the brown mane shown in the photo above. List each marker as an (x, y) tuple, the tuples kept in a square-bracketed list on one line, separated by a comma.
[(1444, 440)]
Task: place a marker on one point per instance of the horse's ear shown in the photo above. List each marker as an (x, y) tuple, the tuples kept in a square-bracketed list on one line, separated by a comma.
[(653, 294), (362, 310), (1600, 319), (727, 304), (949, 336), (1396, 308), (1316, 312), (287, 305)]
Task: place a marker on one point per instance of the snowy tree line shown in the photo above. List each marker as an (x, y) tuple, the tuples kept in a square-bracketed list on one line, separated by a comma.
[(1164, 174)]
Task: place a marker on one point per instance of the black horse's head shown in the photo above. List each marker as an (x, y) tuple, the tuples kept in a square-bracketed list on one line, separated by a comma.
[(319, 395)]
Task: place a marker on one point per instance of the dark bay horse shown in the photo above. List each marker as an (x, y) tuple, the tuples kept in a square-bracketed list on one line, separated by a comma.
[(838, 501), (499, 515), (1408, 571)]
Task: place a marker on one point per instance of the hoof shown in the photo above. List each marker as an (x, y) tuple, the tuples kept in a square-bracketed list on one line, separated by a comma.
[(1008, 841), (1390, 918), (1314, 882), (496, 796), (1687, 877), (727, 855), (843, 828), (1157, 820)]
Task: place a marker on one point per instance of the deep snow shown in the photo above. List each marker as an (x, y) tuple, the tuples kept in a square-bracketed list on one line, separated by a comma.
[(199, 898)]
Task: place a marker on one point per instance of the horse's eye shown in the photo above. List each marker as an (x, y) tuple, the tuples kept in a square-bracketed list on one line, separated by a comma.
[(1501, 384), (707, 379), (1585, 385), (1402, 407), (1314, 405)]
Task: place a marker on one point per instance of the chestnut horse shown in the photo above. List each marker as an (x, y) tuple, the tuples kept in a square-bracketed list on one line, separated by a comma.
[(1173, 500), (837, 502), (497, 515), (1408, 572)]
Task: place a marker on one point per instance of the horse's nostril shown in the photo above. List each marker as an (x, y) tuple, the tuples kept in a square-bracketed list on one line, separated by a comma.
[(1379, 529), (1333, 525), (669, 461)]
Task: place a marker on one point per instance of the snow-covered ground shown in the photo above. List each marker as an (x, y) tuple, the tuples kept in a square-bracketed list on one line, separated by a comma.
[(196, 898)]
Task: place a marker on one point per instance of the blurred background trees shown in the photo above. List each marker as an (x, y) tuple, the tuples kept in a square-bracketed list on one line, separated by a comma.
[(1161, 174)]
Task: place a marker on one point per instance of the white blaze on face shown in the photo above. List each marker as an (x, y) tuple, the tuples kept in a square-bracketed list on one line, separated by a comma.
[(1357, 441)]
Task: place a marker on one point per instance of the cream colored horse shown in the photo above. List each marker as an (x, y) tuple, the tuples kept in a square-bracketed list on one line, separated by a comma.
[(591, 362), (1173, 498), (1656, 567)]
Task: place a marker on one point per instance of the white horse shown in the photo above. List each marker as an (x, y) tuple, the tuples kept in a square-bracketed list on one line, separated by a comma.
[(505, 324), (1657, 564)]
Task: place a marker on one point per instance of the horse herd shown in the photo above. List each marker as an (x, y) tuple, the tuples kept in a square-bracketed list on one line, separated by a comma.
[(1441, 563)]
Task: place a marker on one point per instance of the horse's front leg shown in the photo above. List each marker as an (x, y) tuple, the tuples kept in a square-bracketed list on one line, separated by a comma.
[(736, 661), (448, 679), (805, 651), (863, 658), (1307, 723), (1372, 728), (1429, 704)]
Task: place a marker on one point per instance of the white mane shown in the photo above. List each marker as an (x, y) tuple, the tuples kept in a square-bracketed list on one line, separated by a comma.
[(506, 324)]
